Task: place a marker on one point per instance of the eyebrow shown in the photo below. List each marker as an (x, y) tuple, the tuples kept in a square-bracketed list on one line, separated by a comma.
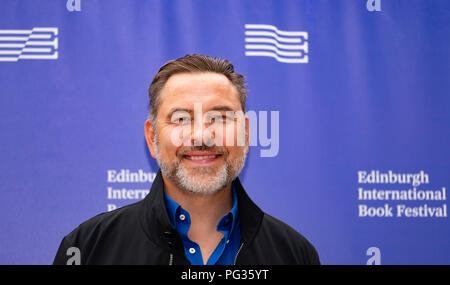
[(174, 110), (222, 108)]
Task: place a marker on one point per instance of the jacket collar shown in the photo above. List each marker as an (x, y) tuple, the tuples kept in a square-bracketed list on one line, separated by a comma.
[(156, 223)]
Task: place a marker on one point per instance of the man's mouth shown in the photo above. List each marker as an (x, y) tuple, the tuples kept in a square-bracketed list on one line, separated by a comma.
[(202, 157)]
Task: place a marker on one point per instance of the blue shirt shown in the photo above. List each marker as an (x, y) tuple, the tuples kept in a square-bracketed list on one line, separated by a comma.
[(226, 250)]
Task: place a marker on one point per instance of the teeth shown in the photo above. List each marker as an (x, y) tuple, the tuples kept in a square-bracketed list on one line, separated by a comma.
[(201, 157)]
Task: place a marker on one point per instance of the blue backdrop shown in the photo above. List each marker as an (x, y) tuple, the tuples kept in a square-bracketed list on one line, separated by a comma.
[(348, 87)]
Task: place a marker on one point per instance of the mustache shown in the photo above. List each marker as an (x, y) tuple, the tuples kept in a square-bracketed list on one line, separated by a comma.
[(216, 149)]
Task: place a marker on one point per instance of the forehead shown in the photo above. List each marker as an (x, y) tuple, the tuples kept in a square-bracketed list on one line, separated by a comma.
[(208, 88)]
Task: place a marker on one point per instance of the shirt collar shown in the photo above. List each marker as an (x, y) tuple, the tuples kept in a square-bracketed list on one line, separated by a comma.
[(231, 215), (173, 209)]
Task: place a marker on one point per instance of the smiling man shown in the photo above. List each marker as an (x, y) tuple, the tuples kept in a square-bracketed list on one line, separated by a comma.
[(197, 211)]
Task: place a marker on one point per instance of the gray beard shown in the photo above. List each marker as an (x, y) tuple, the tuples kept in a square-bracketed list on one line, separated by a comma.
[(201, 180)]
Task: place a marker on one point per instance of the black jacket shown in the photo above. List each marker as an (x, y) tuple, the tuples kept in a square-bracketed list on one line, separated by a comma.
[(141, 233)]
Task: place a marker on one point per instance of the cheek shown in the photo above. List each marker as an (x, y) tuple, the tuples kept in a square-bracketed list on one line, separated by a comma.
[(166, 142), (235, 135), (234, 153), (226, 135), (178, 136)]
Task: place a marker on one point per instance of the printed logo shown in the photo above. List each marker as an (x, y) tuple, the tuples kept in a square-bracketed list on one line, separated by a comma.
[(284, 46), (38, 43)]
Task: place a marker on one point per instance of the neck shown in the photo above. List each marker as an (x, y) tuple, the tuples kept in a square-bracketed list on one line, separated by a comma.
[(204, 209)]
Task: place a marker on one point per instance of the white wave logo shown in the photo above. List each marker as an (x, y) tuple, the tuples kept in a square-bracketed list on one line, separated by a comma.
[(284, 46), (38, 43)]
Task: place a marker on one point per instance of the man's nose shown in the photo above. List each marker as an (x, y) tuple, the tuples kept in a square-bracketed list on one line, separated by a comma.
[(201, 134)]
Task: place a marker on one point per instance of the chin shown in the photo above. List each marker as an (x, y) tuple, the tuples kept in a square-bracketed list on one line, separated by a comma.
[(202, 180)]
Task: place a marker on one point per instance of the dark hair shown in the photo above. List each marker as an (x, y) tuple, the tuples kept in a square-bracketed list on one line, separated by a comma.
[(192, 63)]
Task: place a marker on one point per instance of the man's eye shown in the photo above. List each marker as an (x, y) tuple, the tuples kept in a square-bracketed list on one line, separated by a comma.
[(217, 118), (182, 120), (220, 118)]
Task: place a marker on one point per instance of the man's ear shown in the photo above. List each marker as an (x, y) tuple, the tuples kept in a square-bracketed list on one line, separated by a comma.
[(150, 138), (247, 135)]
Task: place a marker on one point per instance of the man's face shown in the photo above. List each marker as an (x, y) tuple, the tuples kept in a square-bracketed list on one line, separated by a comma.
[(199, 143)]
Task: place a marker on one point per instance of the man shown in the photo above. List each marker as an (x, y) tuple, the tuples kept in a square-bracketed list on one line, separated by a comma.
[(197, 211)]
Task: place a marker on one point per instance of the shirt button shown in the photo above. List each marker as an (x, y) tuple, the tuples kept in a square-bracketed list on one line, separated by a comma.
[(228, 241), (192, 250), (182, 217)]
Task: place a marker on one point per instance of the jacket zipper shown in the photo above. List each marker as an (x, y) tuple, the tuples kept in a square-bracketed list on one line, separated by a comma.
[(235, 258), (171, 259)]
